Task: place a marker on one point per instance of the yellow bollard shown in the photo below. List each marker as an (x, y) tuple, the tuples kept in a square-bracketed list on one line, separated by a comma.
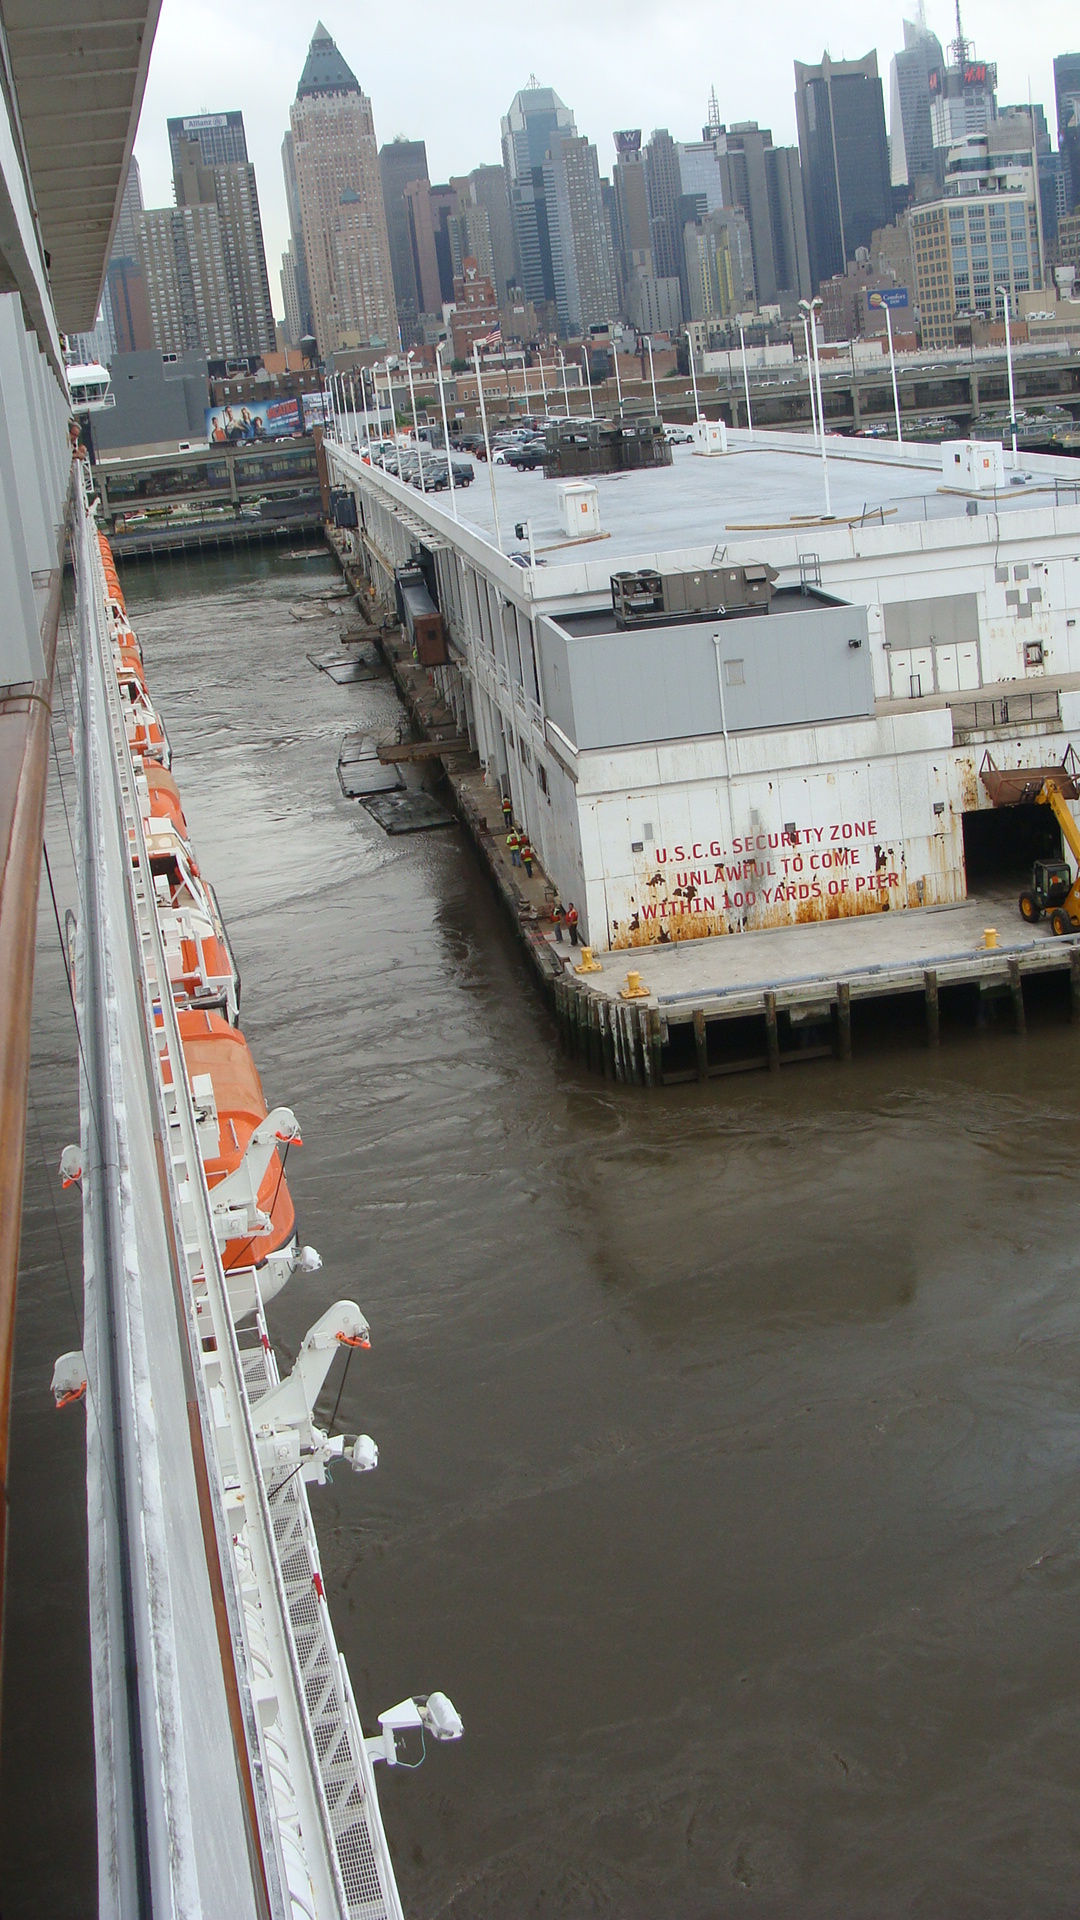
[(989, 936), (633, 989), (588, 964)]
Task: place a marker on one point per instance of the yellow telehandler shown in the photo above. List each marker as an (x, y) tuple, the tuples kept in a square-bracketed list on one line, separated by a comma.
[(1053, 890)]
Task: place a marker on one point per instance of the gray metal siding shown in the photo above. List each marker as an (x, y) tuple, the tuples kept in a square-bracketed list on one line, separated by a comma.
[(950, 618), (660, 683)]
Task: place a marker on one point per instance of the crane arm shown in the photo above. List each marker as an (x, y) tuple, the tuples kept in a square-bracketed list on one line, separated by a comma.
[(1051, 796)]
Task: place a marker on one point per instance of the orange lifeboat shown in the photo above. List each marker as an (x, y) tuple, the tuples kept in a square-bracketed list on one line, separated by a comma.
[(165, 803), (217, 1057), (199, 958), (146, 735)]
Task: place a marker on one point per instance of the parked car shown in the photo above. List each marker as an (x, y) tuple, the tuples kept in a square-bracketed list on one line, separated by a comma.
[(678, 436), (529, 455)]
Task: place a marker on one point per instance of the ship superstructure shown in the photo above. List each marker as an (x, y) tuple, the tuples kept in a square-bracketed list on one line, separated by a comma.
[(233, 1773)]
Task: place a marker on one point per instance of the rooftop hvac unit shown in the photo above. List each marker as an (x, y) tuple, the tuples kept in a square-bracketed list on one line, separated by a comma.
[(652, 599), (579, 508), (710, 436), (973, 466)]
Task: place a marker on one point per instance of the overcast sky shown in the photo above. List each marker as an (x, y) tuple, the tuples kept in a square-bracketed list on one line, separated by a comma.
[(445, 72)]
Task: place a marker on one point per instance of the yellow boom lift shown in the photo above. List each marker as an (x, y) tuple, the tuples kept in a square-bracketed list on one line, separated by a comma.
[(1053, 890)]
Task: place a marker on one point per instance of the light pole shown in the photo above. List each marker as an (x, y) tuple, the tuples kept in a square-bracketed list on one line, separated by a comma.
[(652, 376), (615, 357), (566, 391), (445, 428), (588, 379), (1004, 292), (415, 422), (810, 374), (543, 382), (487, 442), (879, 300), (811, 308), (693, 375), (746, 384)]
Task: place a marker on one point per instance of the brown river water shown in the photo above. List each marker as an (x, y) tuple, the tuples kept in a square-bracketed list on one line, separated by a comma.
[(729, 1434)]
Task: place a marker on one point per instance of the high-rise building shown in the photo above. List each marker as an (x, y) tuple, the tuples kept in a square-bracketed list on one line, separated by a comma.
[(536, 116), (125, 282), (469, 231), (766, 182), (847, 192), (229, 187), (221, 138), (582, 259), (342, 217), (297, 253), (187, 282), (964, 102), (710, 274), (664, 183), (967, 246), (915, 77), (1067, 102), (425, 252), (400, 163), (290, 294), (631, 199), (487, 193)]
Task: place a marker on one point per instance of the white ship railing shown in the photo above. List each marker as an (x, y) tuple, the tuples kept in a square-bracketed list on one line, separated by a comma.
[(318, 1847)]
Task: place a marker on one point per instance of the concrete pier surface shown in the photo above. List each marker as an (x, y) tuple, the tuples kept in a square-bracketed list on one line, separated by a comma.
[(873, 952)]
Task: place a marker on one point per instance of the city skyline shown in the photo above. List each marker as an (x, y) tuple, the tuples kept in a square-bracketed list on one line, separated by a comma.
[(262, 51)]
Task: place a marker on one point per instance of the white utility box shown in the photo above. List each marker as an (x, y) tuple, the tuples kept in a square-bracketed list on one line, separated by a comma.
[(974, 466), (579, 508), (710, 436)]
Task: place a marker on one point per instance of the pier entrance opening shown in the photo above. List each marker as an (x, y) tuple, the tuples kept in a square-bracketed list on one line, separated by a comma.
[(1002, 843)]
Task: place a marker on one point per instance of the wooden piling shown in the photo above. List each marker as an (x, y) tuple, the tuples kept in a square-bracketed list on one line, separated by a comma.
[(617, 1043), (701, 1044), (1074, 983), (643, 1040), (772, 1034), (1016, 988), (596, 1057), (656, 1047), (607, 1040), (843, 1019), (636, 1073), (933, 1012)]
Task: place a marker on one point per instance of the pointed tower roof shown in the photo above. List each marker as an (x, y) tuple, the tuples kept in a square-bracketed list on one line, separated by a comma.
[(324, 69)]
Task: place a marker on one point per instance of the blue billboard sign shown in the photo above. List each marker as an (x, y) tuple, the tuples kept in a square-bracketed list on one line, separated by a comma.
[(889, 297), (254, 420)]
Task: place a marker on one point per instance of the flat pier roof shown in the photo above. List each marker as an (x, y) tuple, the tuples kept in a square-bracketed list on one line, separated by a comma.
[(762, 488)]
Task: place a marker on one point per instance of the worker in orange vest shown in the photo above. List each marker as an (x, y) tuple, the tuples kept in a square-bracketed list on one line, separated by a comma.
[(507, 812), (558, 921), (571, 921), (513, 847), (527, 858)]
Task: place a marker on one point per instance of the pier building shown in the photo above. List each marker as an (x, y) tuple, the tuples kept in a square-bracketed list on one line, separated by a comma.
[(717, 770)]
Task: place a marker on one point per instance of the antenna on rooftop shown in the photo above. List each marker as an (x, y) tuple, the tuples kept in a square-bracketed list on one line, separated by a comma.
[(714, 112), (961, 49), (533, 83)]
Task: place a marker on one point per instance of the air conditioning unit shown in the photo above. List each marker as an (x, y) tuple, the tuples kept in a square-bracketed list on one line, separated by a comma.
[(579, 508)]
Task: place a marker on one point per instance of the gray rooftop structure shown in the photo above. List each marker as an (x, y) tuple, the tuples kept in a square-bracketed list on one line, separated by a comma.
[(766, 486)]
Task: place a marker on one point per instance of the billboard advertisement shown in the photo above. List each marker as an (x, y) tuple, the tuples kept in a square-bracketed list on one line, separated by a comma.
[(317, 410), (889, 297), (253, 420)]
